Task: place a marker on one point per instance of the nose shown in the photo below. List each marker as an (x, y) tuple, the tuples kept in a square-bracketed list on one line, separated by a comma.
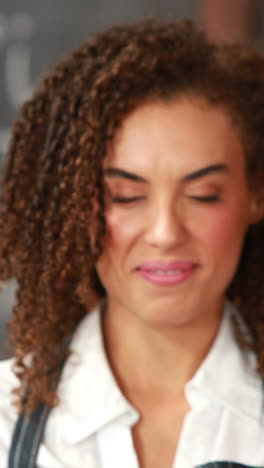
[(166, 228)]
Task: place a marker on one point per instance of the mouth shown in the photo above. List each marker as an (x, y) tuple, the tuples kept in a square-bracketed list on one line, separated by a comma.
[(167, 274)]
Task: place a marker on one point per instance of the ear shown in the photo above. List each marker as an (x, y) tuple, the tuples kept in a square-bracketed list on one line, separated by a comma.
[(256, 209)]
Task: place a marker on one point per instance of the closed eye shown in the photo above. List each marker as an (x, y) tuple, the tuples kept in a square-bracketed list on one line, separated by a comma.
[(207, 199), (126, 199)]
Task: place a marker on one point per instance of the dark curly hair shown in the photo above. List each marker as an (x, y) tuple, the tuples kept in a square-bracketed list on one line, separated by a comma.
[(52, 195)]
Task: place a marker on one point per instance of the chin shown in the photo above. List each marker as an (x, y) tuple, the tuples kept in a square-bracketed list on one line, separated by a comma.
[(166, 317)]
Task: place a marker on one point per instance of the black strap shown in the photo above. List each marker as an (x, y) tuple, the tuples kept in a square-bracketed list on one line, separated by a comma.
[(225, 464), (28, 433), (27, 438)]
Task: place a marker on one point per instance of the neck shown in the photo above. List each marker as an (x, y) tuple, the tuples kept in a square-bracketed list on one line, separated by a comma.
[(154, 359)]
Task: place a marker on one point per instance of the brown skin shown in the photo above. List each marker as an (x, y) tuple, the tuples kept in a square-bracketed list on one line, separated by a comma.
[(163, 144), (167, 218), (52, 223)]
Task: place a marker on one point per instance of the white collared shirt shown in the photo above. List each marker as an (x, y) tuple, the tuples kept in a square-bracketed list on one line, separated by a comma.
[(91, 426)]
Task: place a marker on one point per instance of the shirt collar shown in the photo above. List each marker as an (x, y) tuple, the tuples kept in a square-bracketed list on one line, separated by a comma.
[(228, 374), (90, 397), (89, 394)]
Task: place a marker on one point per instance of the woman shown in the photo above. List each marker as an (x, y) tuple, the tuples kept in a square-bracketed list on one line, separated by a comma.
[(131, 216)]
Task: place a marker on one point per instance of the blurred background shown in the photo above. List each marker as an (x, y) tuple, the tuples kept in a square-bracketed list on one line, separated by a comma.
[(35, 34)]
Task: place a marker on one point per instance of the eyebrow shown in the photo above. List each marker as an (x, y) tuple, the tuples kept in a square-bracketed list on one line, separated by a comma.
[(215, 168), (113, 172), (116, 172)]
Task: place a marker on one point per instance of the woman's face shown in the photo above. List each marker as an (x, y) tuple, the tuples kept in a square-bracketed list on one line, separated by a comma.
[(178, 207)]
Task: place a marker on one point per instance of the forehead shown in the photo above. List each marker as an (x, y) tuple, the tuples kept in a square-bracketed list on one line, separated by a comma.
[(180, 135)]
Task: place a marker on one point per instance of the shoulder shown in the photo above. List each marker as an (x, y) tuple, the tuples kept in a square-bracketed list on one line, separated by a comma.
[(8, 411), (8, 382)]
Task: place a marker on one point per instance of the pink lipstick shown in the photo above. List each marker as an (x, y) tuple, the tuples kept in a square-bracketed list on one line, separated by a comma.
[(167, 273)]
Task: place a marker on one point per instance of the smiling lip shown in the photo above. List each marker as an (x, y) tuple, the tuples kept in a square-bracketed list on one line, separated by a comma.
[(166, 273)]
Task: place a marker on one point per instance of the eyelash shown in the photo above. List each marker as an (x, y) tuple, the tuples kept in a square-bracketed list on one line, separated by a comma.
[(208, 199), (125, 200)]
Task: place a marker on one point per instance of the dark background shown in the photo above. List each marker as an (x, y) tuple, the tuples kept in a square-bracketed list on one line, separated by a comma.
[(34, 34)]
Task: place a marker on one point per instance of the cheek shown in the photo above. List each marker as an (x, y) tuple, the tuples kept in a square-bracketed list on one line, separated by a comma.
[(223, 230), (122, 231)]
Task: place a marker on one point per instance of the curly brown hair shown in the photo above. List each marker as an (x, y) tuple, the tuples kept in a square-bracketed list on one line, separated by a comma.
[(52, 200)]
